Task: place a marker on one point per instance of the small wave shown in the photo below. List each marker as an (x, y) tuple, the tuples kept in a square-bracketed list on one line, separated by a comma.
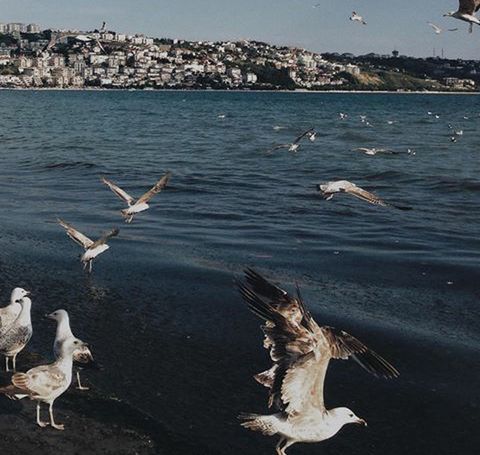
[(71, 165)]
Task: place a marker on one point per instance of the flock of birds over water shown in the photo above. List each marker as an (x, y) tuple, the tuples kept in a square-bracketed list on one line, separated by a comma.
[(300, 349)]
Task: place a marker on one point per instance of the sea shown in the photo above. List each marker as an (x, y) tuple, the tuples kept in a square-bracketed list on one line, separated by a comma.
[(161, 310)]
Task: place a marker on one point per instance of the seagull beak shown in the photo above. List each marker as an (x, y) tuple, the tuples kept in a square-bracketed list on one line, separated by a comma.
[(49, 316), (362, 422)]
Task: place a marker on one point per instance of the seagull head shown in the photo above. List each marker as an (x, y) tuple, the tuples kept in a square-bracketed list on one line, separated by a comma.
[(345, 416), (57, 315), (18, 294)]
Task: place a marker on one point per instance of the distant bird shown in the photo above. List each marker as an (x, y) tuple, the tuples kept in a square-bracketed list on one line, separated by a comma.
[(453, 139), (363, 118), (343, 116), (301, 351), (328, 190), (466, 12), (92, 249), (357, 18), (293, 147), (374, 151), (391, 122), (45, 383), (312, 136), (64, 334), (438, 30), (141, 204), (9, 313), (458, 132), (17, 335)]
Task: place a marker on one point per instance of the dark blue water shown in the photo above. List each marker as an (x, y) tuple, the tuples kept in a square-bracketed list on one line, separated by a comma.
[(161, 309)]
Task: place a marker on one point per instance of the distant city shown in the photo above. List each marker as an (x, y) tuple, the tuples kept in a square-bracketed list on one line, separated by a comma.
[(34, 58)]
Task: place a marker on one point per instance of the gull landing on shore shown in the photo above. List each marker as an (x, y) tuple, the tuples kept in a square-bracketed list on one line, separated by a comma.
[(301, 351), (328, 190), (141, 204), (466, 12), (92, 249)]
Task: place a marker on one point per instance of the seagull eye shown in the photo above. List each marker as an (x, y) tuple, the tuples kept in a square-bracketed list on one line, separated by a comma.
[(351, 415), (75, 342)]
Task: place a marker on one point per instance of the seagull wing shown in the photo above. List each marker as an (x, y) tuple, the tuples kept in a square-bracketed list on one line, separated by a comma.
[(159, 186), (468, 6), (306, 133), (75, 235), (83, 355), (104, 238), (435, 27), (123, 195), (365, 196), (41, 381), (278, 147)]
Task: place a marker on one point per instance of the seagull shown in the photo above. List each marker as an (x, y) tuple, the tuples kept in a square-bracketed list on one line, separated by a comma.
[(9, 313), (141, 204), (363, 118), (301, 351), (64, 334), (458, 132), (293, 147), (344, 186), (357, 18), (436, 28), (374, 151), (343, 116), (17, 335), (46, 383), (466, 12), (92, 249)]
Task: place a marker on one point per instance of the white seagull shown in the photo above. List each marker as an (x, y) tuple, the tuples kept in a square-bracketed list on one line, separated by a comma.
[(328, 189), (301, 351), (64, 334), (438, 30), (14, 339), (9, 313), (374, 151), (357, 18), (92, 249), (293, 147), (141, 204), (466, 12), (45, 383)]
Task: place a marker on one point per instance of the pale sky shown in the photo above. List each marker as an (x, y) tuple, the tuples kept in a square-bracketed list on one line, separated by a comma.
[(400, 25)]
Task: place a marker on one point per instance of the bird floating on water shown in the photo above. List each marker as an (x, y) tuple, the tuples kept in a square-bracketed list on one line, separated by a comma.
[(293, 147), (17, 335), (328, 190), (136, 206), (9, 313), (466, 12), (92, 249), (64, 334), (301, 351), (357, 18), (46, 383)]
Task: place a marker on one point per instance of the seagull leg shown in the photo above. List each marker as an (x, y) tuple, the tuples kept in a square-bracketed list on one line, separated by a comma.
[(52, 421), (14, 361), (279, 445), (80, 386), (470, 29), (285, 446), (6, 364), (39, 422), (90, 266)]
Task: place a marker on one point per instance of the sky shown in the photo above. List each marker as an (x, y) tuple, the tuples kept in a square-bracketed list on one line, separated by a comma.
[(286, 22)]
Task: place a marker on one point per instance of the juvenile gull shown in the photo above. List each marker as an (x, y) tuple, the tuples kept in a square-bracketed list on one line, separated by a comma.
[(9, 313), (64, 334), (92, 249), (301, 351), (466, 12), (141, 204), (46, 383), (344, 186), (17, 335), (293, 147)]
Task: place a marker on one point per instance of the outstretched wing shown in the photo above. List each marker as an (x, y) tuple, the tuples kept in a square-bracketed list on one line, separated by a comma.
[(306, 133), (104, 238), (278, 147), (159, 186), (365, 196), (75, 235), (123, 195)]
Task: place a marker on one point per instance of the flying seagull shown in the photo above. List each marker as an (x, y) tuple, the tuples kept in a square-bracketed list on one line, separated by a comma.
[(344, 186), (374, 151), (64, 334), (14, 339), (92, 249), (438, 30), (357, 18), (301, 351), (141, 204), (45, 383), (466, 12), (293, 147), (9, 313)]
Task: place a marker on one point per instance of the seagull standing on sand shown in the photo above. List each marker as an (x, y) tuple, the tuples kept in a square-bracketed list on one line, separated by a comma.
[(17, 335), (293, 147), (9, 313), (466, 12), (64, 334), (357, 18), (46, 383), (92, 249), (141, 204), (344, 186), (301, 351)]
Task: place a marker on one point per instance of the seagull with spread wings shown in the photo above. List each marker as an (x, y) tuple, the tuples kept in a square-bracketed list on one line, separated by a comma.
[(357, 18), (136, 206), (328, 189), (466, 12), (92, 249), (301, 351), (293, 147)]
